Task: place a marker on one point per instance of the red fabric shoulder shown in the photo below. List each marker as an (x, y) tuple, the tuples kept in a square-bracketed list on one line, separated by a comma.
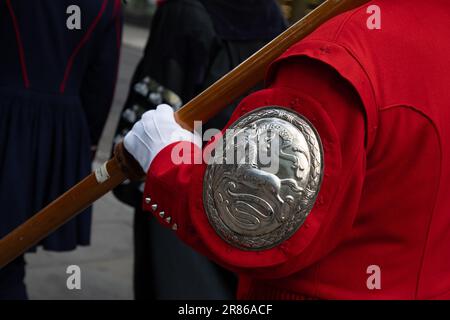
[(341, 59)]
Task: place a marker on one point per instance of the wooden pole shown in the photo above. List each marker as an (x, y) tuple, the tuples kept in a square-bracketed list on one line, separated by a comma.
[(202, 108)]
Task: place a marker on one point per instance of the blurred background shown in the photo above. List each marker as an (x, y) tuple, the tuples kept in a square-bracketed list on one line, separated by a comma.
[(140, 11), (107, 265)]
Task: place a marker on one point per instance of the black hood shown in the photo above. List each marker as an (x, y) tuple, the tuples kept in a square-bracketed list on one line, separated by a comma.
[(246, 19)]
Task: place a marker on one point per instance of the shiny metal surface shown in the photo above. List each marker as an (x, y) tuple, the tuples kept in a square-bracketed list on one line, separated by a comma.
[(256, 204)]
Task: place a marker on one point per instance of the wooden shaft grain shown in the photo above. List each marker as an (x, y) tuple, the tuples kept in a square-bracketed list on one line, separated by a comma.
[(202, 108)]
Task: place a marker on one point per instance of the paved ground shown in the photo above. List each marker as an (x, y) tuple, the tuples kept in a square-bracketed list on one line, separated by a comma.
[(106, 265)]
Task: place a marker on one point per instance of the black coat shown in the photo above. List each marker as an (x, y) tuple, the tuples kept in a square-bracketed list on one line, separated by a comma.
[(192, 44), (56, 88)]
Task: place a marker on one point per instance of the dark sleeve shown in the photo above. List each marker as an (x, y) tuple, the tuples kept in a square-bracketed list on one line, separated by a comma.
[(178, 49), (99, 81)]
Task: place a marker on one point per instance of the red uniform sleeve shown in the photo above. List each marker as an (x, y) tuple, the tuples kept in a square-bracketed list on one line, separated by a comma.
[(330, 103)]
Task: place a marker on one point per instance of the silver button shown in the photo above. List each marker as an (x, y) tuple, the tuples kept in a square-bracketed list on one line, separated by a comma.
[(161, 214), (175, 227), (148, 200), (154, 207), (168, 219)]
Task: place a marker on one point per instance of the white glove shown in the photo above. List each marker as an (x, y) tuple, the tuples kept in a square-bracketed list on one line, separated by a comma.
[(156, 130)]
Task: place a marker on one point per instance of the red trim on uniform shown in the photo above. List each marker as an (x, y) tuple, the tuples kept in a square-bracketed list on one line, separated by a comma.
[(23, 65), (80, 45)]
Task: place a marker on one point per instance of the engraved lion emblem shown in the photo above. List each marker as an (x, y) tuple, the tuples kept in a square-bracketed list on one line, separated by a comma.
[(253, 196), (266, 193)]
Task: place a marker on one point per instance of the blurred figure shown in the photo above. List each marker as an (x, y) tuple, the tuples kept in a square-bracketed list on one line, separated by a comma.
[(58, 70), (192, 44)]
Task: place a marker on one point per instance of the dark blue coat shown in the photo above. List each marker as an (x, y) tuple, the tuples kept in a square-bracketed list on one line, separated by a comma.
[(56, 88)]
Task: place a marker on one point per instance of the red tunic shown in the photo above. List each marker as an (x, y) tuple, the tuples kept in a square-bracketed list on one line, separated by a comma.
[(380, 103)]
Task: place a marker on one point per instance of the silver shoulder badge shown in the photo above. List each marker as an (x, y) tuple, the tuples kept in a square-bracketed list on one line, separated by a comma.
[(262, 181)]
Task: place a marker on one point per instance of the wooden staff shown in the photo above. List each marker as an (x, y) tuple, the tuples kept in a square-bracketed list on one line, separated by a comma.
[(202, 108)]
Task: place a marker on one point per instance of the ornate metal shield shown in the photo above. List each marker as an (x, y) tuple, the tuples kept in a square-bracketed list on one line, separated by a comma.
[(262, 181)]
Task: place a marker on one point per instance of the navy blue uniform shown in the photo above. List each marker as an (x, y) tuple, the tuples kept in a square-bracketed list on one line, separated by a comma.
[(56, 88)]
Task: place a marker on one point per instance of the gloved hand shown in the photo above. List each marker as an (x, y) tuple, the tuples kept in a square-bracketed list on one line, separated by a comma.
[(156, 130)]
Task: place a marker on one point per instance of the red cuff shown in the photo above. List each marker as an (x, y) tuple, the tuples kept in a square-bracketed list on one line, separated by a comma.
[(165, 192)]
